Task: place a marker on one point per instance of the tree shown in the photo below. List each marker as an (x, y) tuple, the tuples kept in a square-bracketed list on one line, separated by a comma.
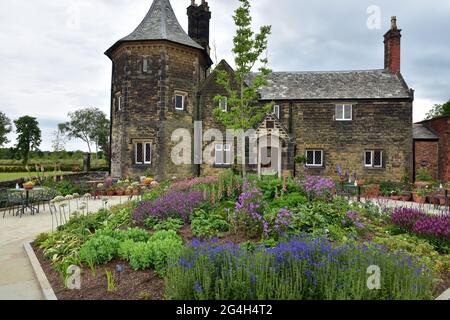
[(100, 135), (5, 129), (59, 141), (439, 110), (84, 124), (244, 109), (28, 137)]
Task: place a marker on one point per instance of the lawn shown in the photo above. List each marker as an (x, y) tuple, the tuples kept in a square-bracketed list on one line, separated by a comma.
[(8, 176)]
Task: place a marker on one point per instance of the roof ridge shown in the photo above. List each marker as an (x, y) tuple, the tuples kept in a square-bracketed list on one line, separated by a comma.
[(331, 71)]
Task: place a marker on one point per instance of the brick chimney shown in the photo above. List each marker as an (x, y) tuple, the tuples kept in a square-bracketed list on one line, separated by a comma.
[(199, 17), (392, 52)]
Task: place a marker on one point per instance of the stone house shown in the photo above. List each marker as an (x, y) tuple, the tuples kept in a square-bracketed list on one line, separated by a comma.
[(432, 147), (162, 80)]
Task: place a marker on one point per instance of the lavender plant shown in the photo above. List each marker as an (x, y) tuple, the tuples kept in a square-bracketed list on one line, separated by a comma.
[(174, 204), (301, 269)]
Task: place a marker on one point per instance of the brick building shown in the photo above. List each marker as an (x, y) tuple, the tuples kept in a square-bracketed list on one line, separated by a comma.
[(432, 147), (162, 80)]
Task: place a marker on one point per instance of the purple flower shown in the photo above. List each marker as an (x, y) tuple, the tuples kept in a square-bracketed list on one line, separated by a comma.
[(174, 204)]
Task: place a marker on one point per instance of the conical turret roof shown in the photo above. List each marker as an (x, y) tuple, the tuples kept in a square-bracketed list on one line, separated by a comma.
[(160, 23)]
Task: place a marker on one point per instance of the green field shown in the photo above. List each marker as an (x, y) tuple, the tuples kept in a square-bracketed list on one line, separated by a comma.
[(18, 175)]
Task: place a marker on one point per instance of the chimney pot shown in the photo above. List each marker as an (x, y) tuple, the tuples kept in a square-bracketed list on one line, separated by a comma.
[(394, 23)]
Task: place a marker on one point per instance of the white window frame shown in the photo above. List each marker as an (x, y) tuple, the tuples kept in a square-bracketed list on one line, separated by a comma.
[(372, 159), (119, 102), (276, 111), (223, 149), (144, 153), (183, 96), (316, 165), (145, 65), (223, 104), (218, 149), (342, 107), (227, 149)]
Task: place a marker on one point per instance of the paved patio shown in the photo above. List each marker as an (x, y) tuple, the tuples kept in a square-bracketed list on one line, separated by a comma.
[(17, 279)]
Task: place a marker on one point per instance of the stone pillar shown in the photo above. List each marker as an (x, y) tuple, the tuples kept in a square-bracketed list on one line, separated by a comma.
[(87, 162)]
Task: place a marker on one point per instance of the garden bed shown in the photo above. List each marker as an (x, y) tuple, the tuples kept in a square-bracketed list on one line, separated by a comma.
[(316, 246), (132, 285)]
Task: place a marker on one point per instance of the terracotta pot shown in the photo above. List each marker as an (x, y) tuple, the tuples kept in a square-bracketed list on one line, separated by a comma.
[(136, 192), (28, 187), (120, 192), (442, 201), (422, 184), (110, 193), (406, 197), (395, 198), (419, 199)]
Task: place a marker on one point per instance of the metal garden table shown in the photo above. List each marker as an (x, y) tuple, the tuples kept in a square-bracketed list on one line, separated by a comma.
[(27, 205)]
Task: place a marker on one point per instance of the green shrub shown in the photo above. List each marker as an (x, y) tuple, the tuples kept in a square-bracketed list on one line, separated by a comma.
[(208, 224), (271, 187), (423, 174), (289, 200), (125, 249), (423, 250), (99, 250), (169, 224), (133, 234), (151, 254)]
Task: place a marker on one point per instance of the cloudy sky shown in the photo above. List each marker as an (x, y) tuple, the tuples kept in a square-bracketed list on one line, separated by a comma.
[(53, 63)]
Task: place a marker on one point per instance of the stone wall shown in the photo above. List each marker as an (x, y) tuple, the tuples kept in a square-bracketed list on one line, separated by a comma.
[(148, 113), (385, 126)]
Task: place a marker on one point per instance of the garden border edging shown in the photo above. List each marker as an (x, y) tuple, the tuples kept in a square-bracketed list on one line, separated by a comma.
[(44, 284), (445, 296)]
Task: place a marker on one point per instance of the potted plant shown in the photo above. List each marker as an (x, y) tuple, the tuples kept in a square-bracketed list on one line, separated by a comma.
[(136, 188), (420, 195), (100, 189), (148, 181), (110, 191), (406, 196), (423, 178), (28, 185), (129, 191), (121, 187), (395, 195)]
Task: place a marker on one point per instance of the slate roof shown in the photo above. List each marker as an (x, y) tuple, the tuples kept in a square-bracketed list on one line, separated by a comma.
[(366, 84), (420, 132), (160, 23)]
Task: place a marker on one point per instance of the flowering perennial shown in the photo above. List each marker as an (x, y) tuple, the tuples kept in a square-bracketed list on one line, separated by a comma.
[(318, 187), (433, 226), (174, 204), (299, 269)]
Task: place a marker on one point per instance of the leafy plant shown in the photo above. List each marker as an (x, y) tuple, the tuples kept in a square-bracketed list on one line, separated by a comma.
[(423, 174), (208, 224), (99, 250), (111, 282), (169, 224)]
